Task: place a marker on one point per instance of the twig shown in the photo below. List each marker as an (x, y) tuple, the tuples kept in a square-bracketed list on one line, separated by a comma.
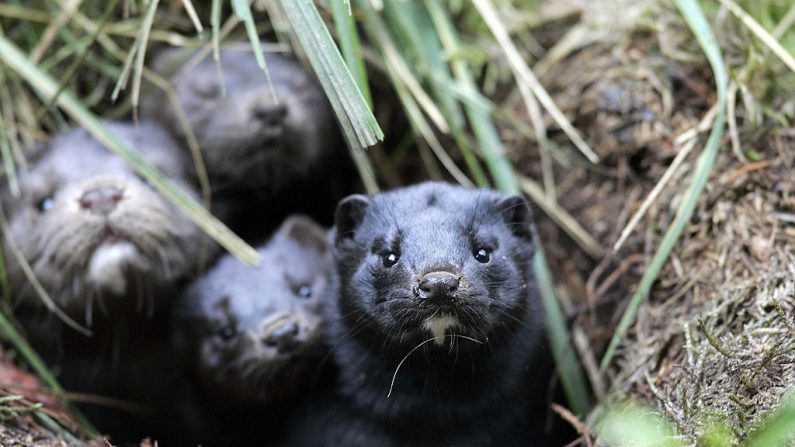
[(561, 217)]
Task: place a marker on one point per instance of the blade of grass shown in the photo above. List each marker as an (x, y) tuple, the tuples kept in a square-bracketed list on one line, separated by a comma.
[(419, 39), (243, 12), (761, 33), (215, 22), (786, 22), (421, 127), (140, 55), (377, 29), (524, 75), (568, 365), (10, 333), (194, 18), (46, 86), (121, 82), (352, 52), (25, 14), (694, 16), (48, 36), (482, 126), (357, 121), (78, 61), (681, 156), (418, 36), (351, 47), (9, 166), (561, 217)]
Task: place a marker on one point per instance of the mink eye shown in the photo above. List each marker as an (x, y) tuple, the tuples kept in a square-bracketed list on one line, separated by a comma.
[(389, 259), (226, 333), (482, 255), (304, 291), (45, 204)]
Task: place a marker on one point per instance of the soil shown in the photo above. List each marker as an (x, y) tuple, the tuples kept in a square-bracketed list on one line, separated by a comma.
[(713, 341)]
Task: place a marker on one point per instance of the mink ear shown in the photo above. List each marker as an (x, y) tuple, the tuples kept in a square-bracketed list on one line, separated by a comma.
[(349, 215), (517, 214), (306, 232)]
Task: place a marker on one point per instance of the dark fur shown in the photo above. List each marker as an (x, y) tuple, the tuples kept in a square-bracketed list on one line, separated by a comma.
[(245, 387), (490, 391), (254, 148), (59, 241)]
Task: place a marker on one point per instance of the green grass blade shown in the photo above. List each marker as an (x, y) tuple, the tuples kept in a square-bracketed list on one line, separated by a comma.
[(482, 126), (140, 55), (419, 38), (357, 121), (694, 16), (761, 33), (46, 86), (527, 80), (194, 18), (351, 47), (243, 12), (9, 164), (352, 51), (380, 32), (215, 24), (78, 61), (571, 376)]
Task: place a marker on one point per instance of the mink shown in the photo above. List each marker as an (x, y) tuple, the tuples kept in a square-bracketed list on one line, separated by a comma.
[(255, 337), (110, 252), (438, 330), (268, 152)]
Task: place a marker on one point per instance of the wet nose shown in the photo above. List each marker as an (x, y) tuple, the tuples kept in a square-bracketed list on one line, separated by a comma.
[(101, 200), (269, 113), (438, 286), (284, 337)]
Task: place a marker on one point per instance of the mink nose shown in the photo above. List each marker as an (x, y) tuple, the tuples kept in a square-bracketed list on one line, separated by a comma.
[(438, 287), (269, 113), (284, 337), (101, 200)]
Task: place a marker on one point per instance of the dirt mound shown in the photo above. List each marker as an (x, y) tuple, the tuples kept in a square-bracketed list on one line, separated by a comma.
[(714, 341)]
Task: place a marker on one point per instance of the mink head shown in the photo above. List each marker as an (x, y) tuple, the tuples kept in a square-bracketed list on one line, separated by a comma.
[(94, 233), (432, 262), (255, 332), (249, 134)]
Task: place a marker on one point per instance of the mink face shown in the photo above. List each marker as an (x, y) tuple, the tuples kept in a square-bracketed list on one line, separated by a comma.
[(250, 136), (94, 233), (434, 262), (256, 331)]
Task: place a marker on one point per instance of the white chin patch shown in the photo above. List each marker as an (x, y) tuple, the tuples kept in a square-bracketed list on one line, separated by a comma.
[(438, 326), (106, 268)]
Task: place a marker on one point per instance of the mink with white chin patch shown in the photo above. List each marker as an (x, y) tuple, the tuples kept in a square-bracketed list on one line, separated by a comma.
[(437, 331), (109, 251), (255, 337)]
